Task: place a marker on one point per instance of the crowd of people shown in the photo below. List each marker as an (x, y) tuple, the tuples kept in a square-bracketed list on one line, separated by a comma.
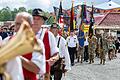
[(58, 52)]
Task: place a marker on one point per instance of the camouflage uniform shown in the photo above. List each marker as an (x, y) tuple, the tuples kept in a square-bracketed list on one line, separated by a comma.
[(91, 48), (111, 47), (98, 48), (80, 54), (103, 50)]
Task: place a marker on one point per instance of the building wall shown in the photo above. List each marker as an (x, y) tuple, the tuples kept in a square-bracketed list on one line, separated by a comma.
[(107, 32)]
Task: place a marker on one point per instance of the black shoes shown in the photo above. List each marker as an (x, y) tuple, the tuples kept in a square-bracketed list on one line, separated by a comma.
[(72, 64)]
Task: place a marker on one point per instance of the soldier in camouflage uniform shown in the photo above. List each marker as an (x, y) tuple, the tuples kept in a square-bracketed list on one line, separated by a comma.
[(103, 49), (98, 48), (92, 47), (80, 54), (111, 47)]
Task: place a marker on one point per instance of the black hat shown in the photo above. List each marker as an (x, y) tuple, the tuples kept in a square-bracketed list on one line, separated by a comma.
[(52, 26), (39, 12)]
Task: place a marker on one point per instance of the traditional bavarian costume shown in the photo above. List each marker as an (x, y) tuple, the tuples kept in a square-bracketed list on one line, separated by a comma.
[(50, 47), (64, 62), (14, 66)]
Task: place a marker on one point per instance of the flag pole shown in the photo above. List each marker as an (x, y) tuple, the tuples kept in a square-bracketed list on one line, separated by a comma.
[(93, 16), (60, 19), (69, 28), (71, 18), (62, 29), (92, 21)]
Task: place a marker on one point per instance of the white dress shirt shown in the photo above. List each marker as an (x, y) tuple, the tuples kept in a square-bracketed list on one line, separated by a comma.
[(63, 51), (39, 59), (86, 42), (52, 41), (14, 69), (72, 41), (14, 66)]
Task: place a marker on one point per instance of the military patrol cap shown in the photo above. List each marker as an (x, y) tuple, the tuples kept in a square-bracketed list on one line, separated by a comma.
[(39, 12)]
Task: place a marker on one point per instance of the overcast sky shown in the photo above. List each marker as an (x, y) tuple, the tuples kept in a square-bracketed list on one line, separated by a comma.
[(46, 5)]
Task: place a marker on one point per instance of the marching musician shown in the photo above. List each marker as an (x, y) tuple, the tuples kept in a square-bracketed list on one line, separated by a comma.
[(51, 50), (33, 62), (26, 67)]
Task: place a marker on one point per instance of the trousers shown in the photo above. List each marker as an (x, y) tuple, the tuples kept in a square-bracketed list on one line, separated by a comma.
[(72, 51)]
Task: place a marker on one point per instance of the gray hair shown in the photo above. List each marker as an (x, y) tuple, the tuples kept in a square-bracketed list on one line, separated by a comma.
[(27, 17)]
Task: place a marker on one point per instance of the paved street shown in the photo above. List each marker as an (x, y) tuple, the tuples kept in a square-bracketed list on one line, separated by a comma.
[(85, 71)]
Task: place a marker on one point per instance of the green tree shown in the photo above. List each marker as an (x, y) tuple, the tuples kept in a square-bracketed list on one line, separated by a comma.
[(5, 14), (22, 9), (30, 11), (14, 12)]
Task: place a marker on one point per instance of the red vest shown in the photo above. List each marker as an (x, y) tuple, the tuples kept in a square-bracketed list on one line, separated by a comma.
[(27, 74), (47, 50), (31, 76)]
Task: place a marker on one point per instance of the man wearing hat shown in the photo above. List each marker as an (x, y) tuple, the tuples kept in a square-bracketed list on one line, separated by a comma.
[(63, 53), (51, 50), (72, 43)]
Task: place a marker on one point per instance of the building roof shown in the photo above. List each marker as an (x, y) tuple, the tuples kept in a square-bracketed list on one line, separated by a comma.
[(108, 5), (98, 19), (110, 21)]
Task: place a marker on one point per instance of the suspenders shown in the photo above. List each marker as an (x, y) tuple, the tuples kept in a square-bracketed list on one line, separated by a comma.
[(58, 42)]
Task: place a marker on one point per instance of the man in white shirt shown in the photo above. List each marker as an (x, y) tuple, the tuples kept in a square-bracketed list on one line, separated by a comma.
[(72, 43), (63, 52), (51, 50), (13, 66), (32, 63)]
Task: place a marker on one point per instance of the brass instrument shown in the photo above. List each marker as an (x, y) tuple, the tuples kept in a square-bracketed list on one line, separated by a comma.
[(23, 42)]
